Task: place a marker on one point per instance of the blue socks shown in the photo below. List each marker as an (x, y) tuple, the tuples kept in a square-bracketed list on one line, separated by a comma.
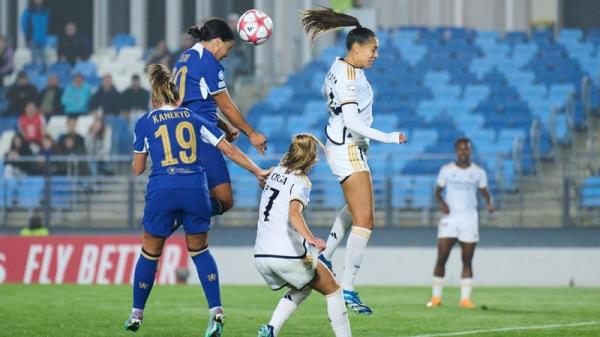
[(216, 207), (208, 274), (143, 279)]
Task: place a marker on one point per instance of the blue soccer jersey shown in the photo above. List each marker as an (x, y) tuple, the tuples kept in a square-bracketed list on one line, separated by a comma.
[(172, 137), (199, 76)]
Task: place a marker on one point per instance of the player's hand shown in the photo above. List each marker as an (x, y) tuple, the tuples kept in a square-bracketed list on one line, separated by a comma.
[(444, 208), (491, 208), (258, 141), (262, 176), (318, 243), (403, 138), (232, 133)]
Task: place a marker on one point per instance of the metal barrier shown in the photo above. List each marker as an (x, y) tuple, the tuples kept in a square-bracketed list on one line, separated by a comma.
[(548, 197)]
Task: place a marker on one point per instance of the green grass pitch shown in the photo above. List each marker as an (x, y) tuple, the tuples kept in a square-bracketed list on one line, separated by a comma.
[(67, 310)]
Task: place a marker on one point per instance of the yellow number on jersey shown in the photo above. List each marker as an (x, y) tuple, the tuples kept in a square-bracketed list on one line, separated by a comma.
[(180, 75), (185, 144)]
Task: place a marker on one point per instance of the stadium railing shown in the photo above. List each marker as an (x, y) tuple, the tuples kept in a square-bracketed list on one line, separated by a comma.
[(87, 192)]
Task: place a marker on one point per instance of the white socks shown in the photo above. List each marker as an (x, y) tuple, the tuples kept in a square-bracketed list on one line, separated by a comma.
[(438, 285), (338, 316), (342, 223), (355, 250), (287, 305), (466, 285)]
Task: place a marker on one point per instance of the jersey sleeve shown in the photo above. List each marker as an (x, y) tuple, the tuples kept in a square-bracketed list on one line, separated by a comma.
[(346, 86), (140, 143), (211, 134), (482, 183), (441, 178), (300, 191), (215, 77)]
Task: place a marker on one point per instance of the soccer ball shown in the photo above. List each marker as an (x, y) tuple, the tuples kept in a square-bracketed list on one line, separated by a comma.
[(255, 27)]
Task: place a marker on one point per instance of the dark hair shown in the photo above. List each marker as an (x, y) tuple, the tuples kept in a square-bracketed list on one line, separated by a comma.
[(321, 20), (163, 90), (462, 140), (212, 28)]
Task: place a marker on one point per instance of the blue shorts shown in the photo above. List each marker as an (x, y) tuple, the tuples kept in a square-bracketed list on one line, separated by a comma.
[(214, 165), (190, 207)]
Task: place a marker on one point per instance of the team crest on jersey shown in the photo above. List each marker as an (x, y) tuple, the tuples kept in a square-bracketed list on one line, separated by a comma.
[(221, 75), (171, 170)]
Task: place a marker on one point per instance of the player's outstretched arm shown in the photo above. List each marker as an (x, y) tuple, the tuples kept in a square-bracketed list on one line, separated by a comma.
[(139, 163), (355, 124), (299, 224), (233, 152), (233, 114)]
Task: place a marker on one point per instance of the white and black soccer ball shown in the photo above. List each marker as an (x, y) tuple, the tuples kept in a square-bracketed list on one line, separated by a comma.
[(255, 27)]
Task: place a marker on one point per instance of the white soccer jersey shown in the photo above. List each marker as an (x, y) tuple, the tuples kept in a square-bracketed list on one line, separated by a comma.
[(275, 236), (461, 186), (345, 84)]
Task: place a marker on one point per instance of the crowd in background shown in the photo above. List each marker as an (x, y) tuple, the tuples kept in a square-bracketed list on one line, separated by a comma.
[(35, 108)]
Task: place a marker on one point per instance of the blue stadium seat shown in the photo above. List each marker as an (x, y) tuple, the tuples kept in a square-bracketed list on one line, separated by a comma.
[(30, 192), (590, 192), (122, 40)]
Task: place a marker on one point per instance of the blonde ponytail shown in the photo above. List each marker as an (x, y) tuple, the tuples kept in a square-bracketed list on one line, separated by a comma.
[(302, 153), (163, 90)]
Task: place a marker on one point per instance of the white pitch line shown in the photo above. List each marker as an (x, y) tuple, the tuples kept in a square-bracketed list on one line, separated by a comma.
[(531, 327)]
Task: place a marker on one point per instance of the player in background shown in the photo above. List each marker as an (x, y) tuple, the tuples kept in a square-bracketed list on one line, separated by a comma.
[(286, 252), (177, 190), (200, 78), (461, 180), (350, 99)]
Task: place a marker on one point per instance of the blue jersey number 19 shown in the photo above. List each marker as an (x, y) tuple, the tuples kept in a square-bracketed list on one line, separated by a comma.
[(184, 144)]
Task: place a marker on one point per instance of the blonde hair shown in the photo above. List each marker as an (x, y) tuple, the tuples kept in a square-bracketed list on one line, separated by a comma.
[(302, 153), (163, 90)]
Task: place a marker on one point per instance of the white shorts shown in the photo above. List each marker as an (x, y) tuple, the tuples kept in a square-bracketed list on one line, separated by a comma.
[(280, 272), (463, 226), (346, 159)]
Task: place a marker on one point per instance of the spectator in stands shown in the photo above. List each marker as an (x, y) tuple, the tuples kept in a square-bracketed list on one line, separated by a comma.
[(135, 97), (49, 99), (35, 227), (73, 46), (32, 124), (34, 24), (186, 42), (75, 164), (6, 60), (98, 141), (107, 99), (160, 54), (18, 149), (72, 133), (76, 97), (48, 149), (19, 94)]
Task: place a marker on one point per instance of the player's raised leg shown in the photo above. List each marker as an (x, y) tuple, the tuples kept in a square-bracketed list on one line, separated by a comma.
[(358, 191), (143, 279), (221, 199), (466, 282), (208, 274), (444, 248), (341, 226)]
